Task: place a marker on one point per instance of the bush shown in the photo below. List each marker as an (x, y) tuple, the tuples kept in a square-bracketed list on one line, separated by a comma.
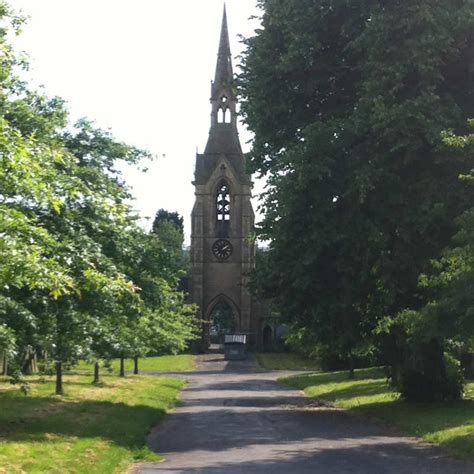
[(455, 378), (303, 342), (438, 378), (330, 359)]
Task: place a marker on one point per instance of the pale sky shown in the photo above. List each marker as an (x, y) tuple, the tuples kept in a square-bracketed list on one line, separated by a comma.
[(143, 69)]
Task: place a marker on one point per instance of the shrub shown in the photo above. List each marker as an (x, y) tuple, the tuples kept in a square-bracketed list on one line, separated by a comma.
[(436, 377), (455, 378)]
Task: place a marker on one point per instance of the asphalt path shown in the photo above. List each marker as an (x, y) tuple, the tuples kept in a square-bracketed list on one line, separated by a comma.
[(237, 419)]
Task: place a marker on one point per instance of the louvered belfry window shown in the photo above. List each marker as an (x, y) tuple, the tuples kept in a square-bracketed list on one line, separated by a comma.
[(223, 202)]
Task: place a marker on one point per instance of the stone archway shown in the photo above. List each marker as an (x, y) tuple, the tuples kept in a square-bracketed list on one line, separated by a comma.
[(222, 318), (221, 322)]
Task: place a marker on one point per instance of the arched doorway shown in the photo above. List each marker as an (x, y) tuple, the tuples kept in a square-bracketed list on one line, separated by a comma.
[(221, 322)]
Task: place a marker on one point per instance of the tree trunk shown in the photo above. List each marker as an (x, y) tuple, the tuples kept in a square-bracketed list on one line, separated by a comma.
[(4, 364), (122, 365), (135, 365), (34, 363), (467, 364), (59, 378), (351, 366), (30, 363), (96, 374)]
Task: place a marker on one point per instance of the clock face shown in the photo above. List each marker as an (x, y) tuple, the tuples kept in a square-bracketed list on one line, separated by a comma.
[(222, 249)]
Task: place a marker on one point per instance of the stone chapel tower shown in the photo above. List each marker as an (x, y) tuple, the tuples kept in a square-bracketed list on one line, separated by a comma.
[(222, 218)]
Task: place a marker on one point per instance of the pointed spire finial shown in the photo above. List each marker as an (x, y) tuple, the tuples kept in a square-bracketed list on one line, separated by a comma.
[(224, 73)]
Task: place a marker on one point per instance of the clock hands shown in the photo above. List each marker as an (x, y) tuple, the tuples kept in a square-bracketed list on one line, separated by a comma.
[(222, 249)]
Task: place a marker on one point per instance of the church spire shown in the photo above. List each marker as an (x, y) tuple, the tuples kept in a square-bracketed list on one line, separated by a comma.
[(224, 73), (223, 134), (223, 98)]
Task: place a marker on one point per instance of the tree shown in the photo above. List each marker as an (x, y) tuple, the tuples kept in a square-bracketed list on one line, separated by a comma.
[(449, 313), (347, 101), (7, 347), (420, 338), (70, 248), (168, 227), (166, 323), (162, 215)]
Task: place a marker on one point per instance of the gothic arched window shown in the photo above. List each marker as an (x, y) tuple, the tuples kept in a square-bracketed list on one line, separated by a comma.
[(220, 115), (223, 202)]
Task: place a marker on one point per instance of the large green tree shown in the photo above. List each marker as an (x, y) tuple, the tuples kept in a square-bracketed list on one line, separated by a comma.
[(418, 338), (348, 101), (71, 252)]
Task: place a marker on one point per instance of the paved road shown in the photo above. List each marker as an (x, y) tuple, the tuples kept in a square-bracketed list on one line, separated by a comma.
[(236, 419)]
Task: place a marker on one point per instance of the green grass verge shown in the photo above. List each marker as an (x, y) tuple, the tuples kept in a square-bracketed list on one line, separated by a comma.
[(172, 363), (449, 424), (91, 429), (284, 361)]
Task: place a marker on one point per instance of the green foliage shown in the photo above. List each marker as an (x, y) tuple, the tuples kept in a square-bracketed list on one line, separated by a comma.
[(162, 215), (169, 228), (446, 319), (350, 103), (304, 342), (7, 341), (449, 313), (78, 277), (435, 377)]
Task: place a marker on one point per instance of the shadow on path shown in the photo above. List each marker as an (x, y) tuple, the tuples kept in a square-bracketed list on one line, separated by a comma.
[(235, 419)]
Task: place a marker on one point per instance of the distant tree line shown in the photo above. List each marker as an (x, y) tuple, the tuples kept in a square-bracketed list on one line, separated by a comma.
[(361, 113), (79, 278)]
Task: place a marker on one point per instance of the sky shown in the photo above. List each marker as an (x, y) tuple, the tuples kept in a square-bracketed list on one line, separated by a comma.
[(142, 69)]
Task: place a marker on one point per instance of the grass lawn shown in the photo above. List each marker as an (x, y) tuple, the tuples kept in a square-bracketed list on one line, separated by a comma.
[(178, 363), (449, 424), (284, 361), (91, 429)]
